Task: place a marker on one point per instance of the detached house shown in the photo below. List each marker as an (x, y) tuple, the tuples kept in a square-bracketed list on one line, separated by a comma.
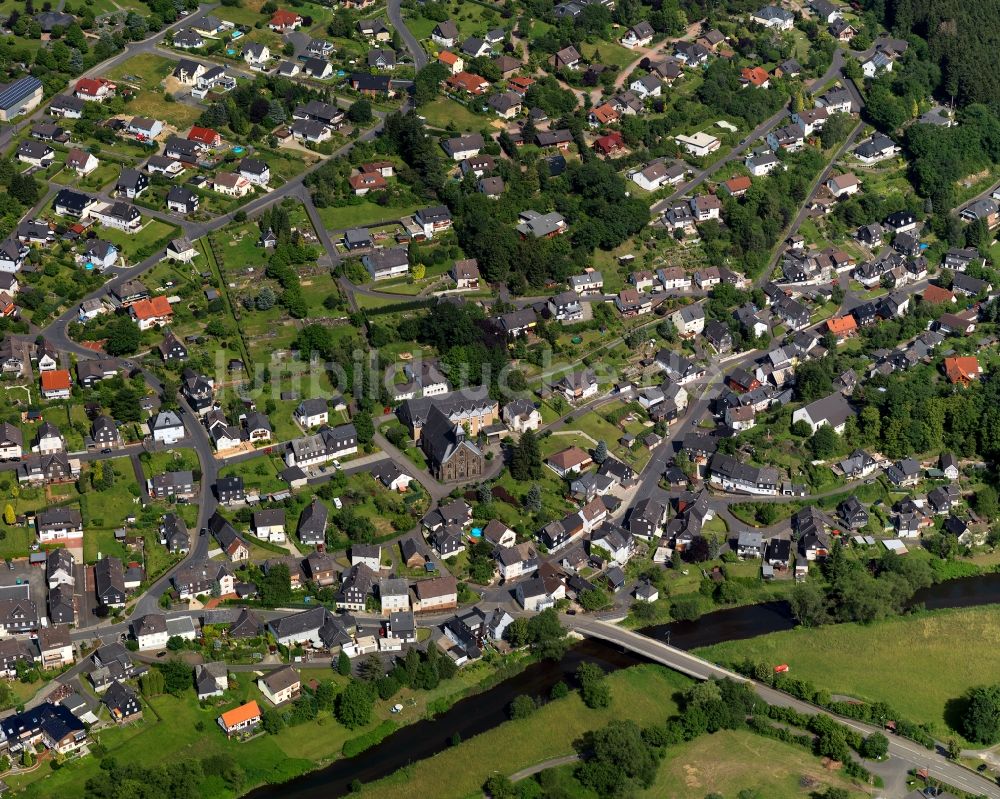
[(283, 21), (639, 35)]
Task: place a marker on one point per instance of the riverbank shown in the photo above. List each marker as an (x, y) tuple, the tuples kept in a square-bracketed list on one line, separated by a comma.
[(179, 730), (920, 664), (643, 693)]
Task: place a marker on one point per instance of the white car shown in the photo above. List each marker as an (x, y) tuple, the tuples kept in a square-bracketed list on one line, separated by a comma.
[(337, 503)]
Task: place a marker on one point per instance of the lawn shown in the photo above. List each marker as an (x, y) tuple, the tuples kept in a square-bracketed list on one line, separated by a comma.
[(363, 213), (517, 744), (100, 177), (943, 652), (731, 761), (16, 542), (144, 69), (152, 103), (444, 111), (152, 233), (259, 473), (609, 53)]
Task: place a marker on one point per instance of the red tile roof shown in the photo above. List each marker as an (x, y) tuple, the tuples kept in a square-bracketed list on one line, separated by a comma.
[(203, 135), (283, 18), (153, 308), (93, 86), (56, 380), (936, 294), (755, 75)]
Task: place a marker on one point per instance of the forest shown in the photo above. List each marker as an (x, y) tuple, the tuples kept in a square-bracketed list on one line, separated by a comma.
[(964, 40)]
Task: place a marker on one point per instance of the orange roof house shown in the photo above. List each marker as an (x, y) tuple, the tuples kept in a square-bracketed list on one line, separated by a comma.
[(240, 718), (605, 114), (738, 186), (56, 383), (154, 311), (842, 326), (755, 76), (936, 294), (962, 370), (450, 60)]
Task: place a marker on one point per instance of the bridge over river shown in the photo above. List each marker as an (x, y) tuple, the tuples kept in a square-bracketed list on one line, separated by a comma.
[(906, 751)]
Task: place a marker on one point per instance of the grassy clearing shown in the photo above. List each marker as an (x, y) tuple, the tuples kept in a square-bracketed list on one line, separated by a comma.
[(444, 111), (364, 213), (609, 53), (152, 231), (730, 761), (944, 653), (518, 744)]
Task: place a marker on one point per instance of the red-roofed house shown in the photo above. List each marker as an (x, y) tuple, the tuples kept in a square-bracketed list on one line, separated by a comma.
[(937, 294), (95, 89), (610, 144), (520, 85), (56, 384), (151, 312), (961, 370), (366, 182), (284, 21), (755, 76), (467, 82), (737, 187), (205, 136), (453, 62)]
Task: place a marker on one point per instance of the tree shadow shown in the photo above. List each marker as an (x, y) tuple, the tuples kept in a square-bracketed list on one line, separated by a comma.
[(954, 711)]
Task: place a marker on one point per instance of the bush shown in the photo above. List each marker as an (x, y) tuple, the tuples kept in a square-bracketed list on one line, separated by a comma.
[(522, 707)]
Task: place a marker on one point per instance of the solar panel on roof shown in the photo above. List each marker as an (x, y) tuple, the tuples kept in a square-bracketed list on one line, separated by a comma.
[(15, 92)]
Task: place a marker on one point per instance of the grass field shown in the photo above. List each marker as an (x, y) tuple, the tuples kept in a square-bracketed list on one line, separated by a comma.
[(610, 53), (518, 744), (152, 231), (444, 111), (364, 213), (730, 761), (918, 664)]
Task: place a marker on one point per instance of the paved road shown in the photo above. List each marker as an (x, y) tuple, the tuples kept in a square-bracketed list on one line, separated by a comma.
[(804, 212), (412, 45), (939, 766)]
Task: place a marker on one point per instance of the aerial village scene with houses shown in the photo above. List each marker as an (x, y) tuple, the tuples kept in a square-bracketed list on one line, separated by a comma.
[(590, 399)]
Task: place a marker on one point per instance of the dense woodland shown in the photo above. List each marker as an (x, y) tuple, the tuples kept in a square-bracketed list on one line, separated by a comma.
[(964, 40)]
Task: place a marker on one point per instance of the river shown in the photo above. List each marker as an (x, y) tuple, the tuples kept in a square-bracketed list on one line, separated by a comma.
[(482, 712)]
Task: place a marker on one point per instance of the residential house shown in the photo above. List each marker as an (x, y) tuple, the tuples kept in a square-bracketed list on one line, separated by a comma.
[(833, 410), (280, 686), (774, 17), (572, 460), (240, 720), (313, 522), (167, 427)]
